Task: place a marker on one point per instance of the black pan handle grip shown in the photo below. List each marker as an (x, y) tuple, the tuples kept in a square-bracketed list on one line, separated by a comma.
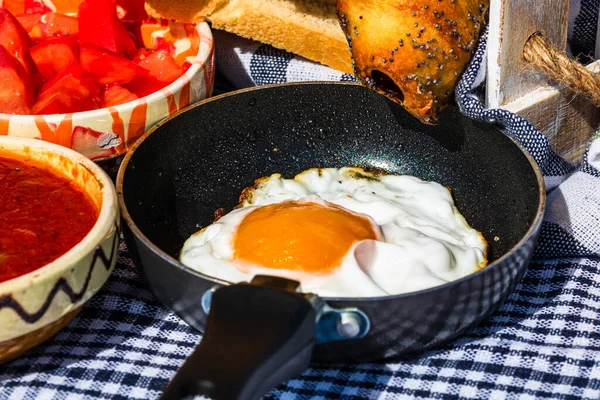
[(255, 339)]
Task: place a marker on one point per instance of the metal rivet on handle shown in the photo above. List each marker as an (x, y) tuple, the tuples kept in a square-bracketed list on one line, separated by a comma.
[(348, 326), (340, 324)]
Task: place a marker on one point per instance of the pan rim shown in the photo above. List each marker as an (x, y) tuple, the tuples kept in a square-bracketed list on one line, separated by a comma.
[(533, 227)]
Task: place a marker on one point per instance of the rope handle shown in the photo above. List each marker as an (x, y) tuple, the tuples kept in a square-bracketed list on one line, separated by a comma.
[(540, 54)]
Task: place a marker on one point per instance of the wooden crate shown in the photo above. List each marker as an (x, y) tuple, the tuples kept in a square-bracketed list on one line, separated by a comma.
[(567, 119)]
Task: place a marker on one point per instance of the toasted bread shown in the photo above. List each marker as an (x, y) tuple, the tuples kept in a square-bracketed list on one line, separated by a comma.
[(309, 28)]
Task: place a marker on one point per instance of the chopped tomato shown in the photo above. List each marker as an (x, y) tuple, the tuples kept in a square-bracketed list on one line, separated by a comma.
[(71, 91), (161, 43), (100, 26), (28, 21), (161, 66), (53, 56), (144, 85), (14, 39), (162, 70), (115, 94), (141, 54), (14, 6), (59, 103), (134, 10), (36, 6), (16, 93), (66, 6), (73, 80), (56, 103), (107, 67), (61, 24), (51, 24), (67, 59)]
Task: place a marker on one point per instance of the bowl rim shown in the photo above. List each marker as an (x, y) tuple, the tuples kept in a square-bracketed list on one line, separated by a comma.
[(136, 231), (107, 217), (201, 61)]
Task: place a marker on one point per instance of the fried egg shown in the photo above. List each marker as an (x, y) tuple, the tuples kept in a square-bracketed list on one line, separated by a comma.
[(341, 233)]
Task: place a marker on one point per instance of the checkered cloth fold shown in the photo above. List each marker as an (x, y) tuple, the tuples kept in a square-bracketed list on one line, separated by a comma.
[(543, 342)]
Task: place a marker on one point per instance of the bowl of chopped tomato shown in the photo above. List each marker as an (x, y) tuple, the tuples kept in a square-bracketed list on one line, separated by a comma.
[(59, 239), (97, 75)]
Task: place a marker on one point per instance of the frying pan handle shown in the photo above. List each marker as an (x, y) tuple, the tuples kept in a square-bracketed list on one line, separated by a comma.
[(255, 339)]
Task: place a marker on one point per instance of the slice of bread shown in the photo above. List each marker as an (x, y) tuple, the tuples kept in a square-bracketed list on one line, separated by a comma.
[(309, 28), (192, 11)]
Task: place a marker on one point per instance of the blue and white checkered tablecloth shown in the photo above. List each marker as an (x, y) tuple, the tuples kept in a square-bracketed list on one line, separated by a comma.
[(544, 342)]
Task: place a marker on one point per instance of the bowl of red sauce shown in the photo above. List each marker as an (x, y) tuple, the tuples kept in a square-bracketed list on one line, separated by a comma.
[(58, 239), (93, 75)]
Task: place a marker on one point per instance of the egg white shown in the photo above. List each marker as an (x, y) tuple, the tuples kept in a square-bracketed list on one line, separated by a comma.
[(426, 241)]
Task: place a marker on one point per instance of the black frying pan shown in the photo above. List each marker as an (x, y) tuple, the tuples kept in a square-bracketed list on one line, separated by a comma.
[(258, 335)]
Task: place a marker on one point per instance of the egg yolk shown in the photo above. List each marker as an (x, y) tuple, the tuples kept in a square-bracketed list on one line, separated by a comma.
[(301, 236)]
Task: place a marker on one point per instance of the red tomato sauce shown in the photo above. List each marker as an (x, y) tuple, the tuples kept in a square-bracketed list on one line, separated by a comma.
[(42, 215)]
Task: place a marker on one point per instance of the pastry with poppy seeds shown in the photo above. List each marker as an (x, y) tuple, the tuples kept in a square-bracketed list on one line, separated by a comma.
[(412, 51)]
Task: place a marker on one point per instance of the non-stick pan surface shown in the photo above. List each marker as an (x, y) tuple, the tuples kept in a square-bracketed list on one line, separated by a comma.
[(199, 161)]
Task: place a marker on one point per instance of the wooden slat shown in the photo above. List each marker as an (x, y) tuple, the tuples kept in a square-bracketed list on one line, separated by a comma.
[(511, 23), (568, 120)]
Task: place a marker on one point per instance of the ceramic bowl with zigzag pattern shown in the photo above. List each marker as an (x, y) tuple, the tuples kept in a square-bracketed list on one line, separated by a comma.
[(36, 305)]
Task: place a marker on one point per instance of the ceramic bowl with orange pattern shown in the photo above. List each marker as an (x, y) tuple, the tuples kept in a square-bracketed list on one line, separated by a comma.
[(108, 132), (36, 304)]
